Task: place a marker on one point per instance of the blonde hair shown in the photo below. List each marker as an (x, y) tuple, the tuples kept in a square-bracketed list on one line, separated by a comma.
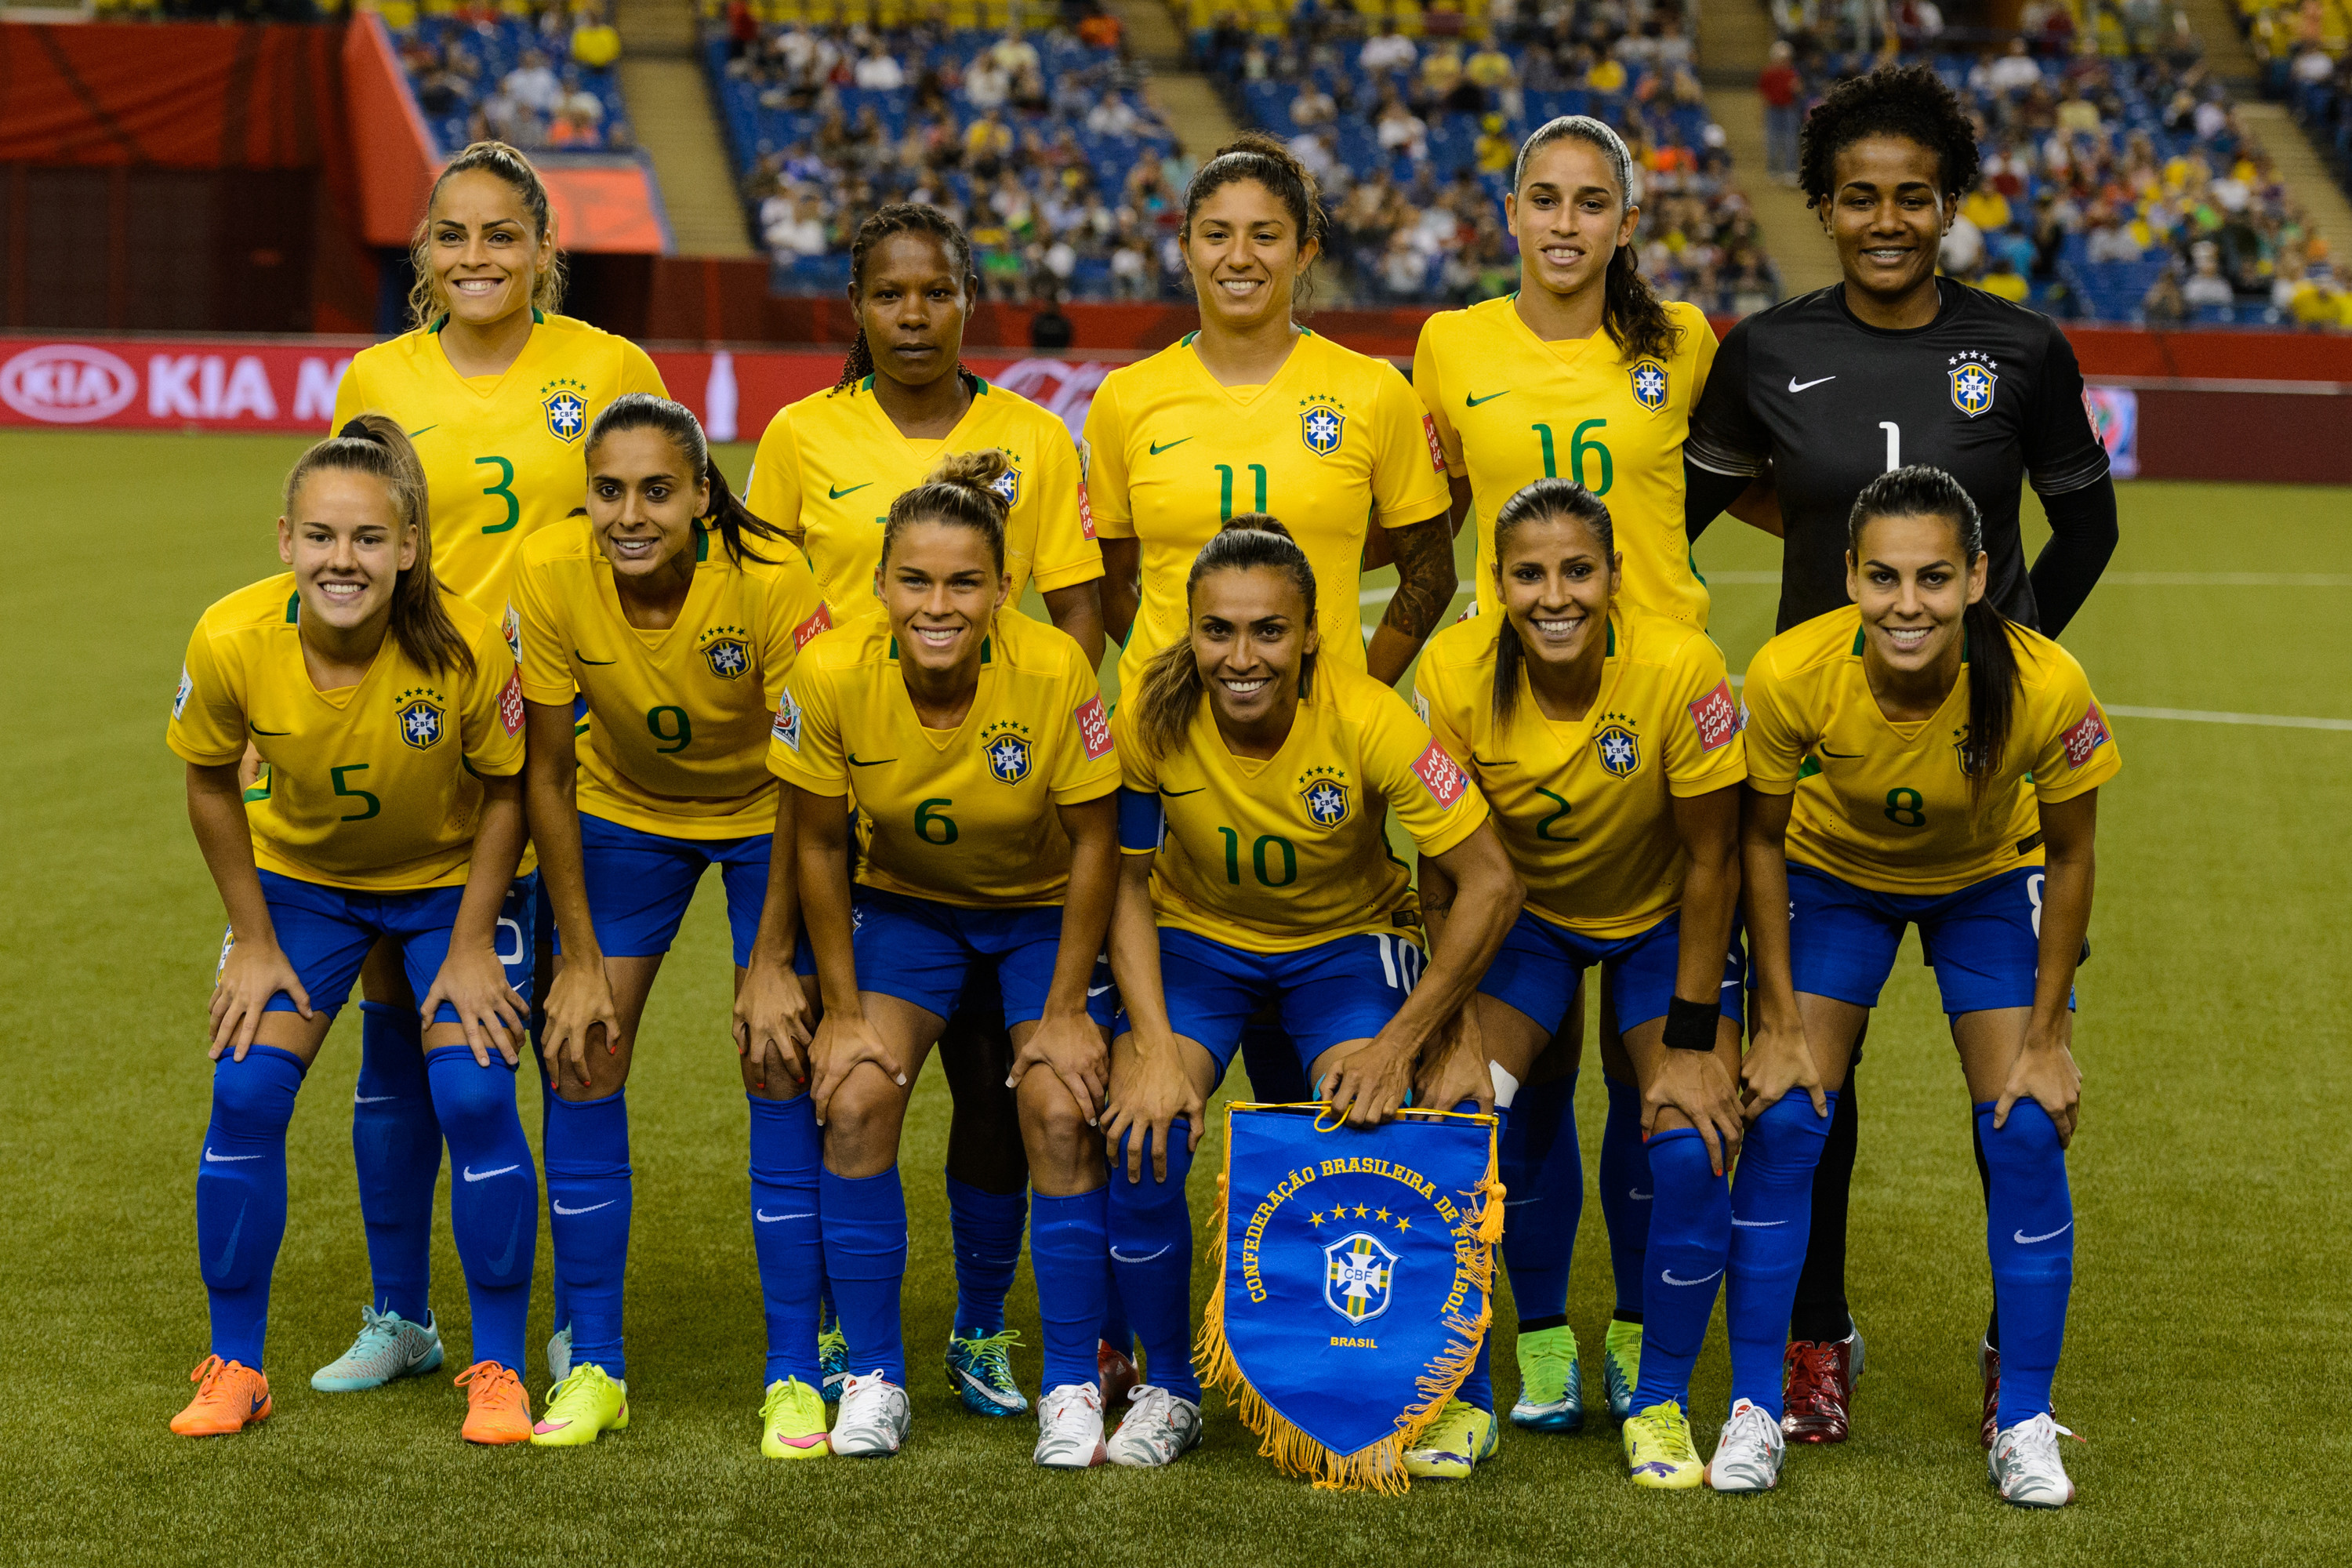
[(427, 302), (961, 492)]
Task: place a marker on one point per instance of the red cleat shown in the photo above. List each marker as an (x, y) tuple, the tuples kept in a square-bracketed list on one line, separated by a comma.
[(1817, 1388), (1989, 1364), (1114, 1374)]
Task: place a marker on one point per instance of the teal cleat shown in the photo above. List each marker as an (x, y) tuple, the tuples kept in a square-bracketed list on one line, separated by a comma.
[(1551, 1383), (981, 1371), (832, 1361), (389, 1347)]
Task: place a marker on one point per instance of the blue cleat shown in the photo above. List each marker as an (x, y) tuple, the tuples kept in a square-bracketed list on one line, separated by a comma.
[(982, 1373)]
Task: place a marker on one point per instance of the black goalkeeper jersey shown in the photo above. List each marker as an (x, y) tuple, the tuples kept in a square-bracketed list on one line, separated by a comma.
[(1989, 392)]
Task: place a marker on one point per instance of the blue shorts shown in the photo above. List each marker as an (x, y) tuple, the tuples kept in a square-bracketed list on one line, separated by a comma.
[(926, 952), (640, 883), (1984, 941), (326, 933), (1344, 989), (1540, 963)]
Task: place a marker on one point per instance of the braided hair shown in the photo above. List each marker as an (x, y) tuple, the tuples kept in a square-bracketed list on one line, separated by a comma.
[(902, 217)]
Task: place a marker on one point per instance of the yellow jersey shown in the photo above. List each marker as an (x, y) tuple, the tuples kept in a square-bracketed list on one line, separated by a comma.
[(1511, 409), (1884, 806), (502, 454), (371, 787), (962, 816), (829, 465), (1586, 809), (1290, 852), (679, 717), (1334, 442)]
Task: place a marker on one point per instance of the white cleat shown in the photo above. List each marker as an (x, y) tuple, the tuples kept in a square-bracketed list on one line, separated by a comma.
[(873, 1420), (1070, 1429), (1158, 1428), (2025, 1465), (1747, 1453)]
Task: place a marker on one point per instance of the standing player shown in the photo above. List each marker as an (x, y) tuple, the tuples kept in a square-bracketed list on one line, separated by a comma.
[(495, 389), (390, 719), (1257, 778), (676, 614), (1606, 740), (1916, 757), (826, 471), (986, 835), (1894, 366)]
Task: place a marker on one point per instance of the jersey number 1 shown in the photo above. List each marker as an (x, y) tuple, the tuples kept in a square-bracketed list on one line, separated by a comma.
[(1894, 443)]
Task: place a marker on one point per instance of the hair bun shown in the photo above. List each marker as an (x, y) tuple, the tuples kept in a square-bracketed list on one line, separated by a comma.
[(982, 471), (358, 429), (1258, 522)]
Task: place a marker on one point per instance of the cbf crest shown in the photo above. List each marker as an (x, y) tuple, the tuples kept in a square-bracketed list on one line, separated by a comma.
[(420, 716), (1008, 485), (1973, 382), (1005, 745), (1359, 1277), (1649, 379), (1324, 797), (728, 651), (1322, 428), (1619, 749), (565, 403)]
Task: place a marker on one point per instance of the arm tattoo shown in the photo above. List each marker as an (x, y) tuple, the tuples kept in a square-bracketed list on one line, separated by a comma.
[(1425, 577)]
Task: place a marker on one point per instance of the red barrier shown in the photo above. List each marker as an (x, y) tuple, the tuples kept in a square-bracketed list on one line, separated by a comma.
[(395, 150), (182, 96)]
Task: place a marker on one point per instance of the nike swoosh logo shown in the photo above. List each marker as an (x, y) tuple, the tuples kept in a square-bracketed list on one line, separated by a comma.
[(372, 1099), (2020, 1236), (831, 494), (1097, 990), (1637, 1194), (505, 1260), (1796, 385), (1668, 1276), (1157, 449), (474, 1175), (1470, 402), (1757, 1224), (586, 659), (412, 435), (558, 1206), (213, 1159), (993, 1395), (1841, 756), (1122, 1257), (1172, 793), (1519, 1202), (229, 1251), (259, 731), (766, 1218), (856, 762)]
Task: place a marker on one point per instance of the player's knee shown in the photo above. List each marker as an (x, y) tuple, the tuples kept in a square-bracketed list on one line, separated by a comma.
[(472, 1102), (255, 1097), (1051, 1114), (1151, 1196), (1786, 1140), (863, 1117), (2025, 1146)]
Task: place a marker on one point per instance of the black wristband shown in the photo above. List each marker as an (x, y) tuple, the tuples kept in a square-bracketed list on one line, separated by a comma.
[(1690, 1026)]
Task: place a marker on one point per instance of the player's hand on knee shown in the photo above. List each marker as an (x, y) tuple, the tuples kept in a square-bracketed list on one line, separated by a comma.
[(842, 1044), (1780, 1059), (492, 1013), (254, 970), (1693, 1084), (579, 1007), (2045, 1073), (1148, 1093), (1070, 1047), (1456, 1068), (774, 1025)]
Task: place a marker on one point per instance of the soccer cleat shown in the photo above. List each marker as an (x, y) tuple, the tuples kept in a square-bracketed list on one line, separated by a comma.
[(497, 1406), (1114, 1373), (559, 1355), (793, 1423), (1658, 1451), (389, 1347), (1461, 1438), (1156, 1429), (1988, 1367), (230, 1396), (1070, 1429), (832, 1361), (1747, 1453), (1551, 1385), (1817, 1379), (2025, 1465), (873, 1420), (1620, 1366), (980, 1370), (582, 1408)]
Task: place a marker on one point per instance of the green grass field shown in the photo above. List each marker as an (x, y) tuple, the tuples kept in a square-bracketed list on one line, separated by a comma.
[(2210, 1314)]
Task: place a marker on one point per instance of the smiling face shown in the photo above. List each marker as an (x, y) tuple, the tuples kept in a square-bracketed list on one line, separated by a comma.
[(1556, 584), (484, 249), (1245, 251), (1908, 575), (912, 303), (1569, 216), (940, 587), (1887, 214), (347, 547), (642, 500), (1251, 636)]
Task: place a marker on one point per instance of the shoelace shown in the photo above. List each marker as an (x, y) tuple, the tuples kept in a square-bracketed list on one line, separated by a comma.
[(1749, 1426), (1673, 1427), (2037, 1440), (582, 1382), (208, 1373), (487, 1380), (1817, 1374), (989, 1350)]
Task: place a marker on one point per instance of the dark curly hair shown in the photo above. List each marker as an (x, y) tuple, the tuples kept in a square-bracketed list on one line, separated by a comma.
[(902, 217), (1910, 102)]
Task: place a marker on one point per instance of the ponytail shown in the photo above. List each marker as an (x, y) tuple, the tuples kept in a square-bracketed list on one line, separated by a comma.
[(374, 443), (727, 516), (1545, 501), (1631, 311), (427, 300), (967, 489), (1171, 688)]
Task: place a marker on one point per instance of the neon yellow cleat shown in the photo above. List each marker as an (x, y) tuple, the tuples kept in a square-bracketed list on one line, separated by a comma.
[(582, 1408), (1551, 1385), (1620, 1366), (1462, 1437), (1658, 1450), (793, 1422)]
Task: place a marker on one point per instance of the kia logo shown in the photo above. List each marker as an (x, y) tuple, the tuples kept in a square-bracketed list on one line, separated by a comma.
[(67, 384)]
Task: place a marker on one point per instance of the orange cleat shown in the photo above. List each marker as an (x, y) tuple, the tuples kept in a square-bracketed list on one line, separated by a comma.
[(230, 1396), (497, 1406)]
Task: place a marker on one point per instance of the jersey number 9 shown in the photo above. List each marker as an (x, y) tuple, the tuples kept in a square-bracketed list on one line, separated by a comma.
[(679, 731)]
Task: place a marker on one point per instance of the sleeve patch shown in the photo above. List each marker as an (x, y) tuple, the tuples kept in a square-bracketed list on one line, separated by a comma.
[(821, 621), (1716, 716), (510, 704), (179, 702), (1441, 774), (1436, 447), (1420, 706), (788, 720), (2086, 737), (1094, 728), (1086, 512)]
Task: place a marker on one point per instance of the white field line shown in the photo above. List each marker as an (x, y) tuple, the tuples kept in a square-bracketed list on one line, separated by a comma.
[(2200, 716), (2133, 579)]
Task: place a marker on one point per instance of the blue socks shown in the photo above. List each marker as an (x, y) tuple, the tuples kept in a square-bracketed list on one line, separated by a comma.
[(1773, 1215), (1625, 1195), (1068, 1248), (1152, 1254), (1689, 1242), (241, 1195), (785, 1155), (1543, 1175), (865, 1229), (986, 1230), (588, 1202), (2030, 1234), (493, 1197), (396, 1145)]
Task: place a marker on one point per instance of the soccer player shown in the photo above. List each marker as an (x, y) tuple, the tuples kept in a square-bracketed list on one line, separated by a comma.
[(675, 615), (826, 472), (1606, 742), (975, 745), (390, 719), (1256, 776), (1893, 365), (497, 391), (1916, 757)]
